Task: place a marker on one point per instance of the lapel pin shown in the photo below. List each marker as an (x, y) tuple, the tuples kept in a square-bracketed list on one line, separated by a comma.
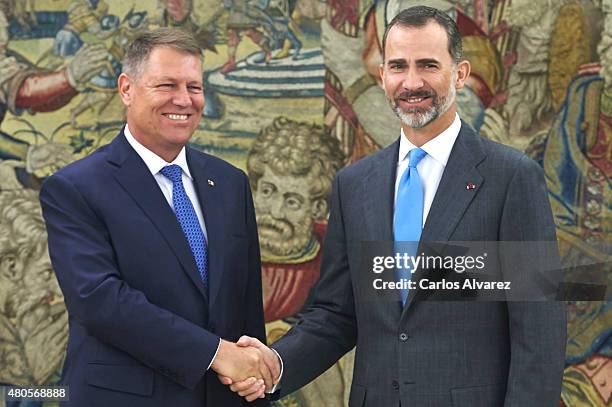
[(211, 183), (470, 185)]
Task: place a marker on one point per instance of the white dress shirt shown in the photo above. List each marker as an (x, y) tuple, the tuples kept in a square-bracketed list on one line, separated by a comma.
[(431, 166), (155, 163)]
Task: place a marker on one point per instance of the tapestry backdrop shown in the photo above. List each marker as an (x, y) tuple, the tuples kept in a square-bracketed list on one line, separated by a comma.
[(292, 96)]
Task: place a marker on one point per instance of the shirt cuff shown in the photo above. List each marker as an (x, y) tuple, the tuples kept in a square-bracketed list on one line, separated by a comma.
[(280, 376), (215, 355)]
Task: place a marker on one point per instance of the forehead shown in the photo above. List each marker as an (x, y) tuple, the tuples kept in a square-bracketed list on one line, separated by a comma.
[(295, 183), (166, 61), (428, 41)]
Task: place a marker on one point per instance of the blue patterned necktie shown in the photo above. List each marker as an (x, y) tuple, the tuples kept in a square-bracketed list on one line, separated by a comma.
[(186, 215), (408, 221)]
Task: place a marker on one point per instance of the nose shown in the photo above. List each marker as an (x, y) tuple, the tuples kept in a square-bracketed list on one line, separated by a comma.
[(277, 209), (412, 80), (181, 97)]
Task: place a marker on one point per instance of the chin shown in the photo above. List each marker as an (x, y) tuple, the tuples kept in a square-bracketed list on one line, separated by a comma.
[(180, 136)]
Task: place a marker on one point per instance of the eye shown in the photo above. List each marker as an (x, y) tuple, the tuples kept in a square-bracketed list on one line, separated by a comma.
[(165, 85), (293, 203), (267, 190), (195, 89), (430, 65)]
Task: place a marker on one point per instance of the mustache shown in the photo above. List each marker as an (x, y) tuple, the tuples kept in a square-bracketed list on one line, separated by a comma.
[(415, 94), (281, 226)]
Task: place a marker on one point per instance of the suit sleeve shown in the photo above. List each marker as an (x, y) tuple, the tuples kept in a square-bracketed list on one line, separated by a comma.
[(537, 328), (97, 297), (328, 328), (255, 318)]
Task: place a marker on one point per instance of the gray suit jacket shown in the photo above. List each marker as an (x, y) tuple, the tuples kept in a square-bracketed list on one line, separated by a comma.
[(433, 353)]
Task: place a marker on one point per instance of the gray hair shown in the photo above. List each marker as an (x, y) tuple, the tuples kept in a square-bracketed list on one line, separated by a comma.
[(138, 51)]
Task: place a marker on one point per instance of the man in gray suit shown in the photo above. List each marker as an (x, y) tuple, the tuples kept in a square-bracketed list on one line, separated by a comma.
[(418, 352)]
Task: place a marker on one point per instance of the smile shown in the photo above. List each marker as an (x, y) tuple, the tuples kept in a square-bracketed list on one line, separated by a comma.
[(413, 99), (177, 117)]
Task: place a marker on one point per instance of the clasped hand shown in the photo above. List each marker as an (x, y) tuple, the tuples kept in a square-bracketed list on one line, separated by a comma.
[(249, 367)]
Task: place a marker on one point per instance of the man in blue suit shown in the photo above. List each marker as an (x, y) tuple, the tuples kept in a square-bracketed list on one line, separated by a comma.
[(155, 248)]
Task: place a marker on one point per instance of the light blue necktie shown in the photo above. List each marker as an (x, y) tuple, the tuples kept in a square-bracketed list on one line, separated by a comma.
[(188, 219), (408, 221)]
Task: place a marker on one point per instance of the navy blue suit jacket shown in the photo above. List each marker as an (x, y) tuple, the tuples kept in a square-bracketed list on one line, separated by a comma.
[(143, 328)]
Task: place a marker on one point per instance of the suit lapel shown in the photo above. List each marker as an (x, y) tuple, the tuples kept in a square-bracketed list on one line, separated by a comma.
[(137, 181), (378, 192), (378, 195), (212, 204), (453, 196)]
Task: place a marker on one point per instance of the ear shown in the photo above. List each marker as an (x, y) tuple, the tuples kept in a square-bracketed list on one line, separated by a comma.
[(381, 75), (10, 268), (463, 72), (126, 87), (320, 210)]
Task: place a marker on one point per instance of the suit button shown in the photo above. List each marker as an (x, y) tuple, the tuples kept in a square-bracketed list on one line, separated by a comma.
[(403, 337), (395, 384)]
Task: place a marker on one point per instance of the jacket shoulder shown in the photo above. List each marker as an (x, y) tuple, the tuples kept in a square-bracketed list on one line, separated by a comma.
[(84, 168), (366, 164), (507, 158)]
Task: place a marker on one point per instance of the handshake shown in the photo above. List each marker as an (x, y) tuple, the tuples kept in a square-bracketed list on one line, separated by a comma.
[(249, 367)]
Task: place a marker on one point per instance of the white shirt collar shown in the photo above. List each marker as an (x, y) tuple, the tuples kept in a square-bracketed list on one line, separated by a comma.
[(154, 162), (438, 148)]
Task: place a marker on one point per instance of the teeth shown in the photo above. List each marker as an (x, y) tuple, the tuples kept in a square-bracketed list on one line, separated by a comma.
[(177, 116), (414, 100)]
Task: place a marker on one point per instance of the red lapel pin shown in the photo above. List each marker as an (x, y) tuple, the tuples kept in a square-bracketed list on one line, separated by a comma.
[(470, 185)]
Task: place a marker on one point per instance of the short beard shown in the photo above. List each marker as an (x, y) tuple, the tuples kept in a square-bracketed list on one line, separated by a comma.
[(280, 238), (418, 119)]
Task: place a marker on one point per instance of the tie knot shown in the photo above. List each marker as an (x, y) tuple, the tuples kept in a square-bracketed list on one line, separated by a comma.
[(172, 172), (415, 156)]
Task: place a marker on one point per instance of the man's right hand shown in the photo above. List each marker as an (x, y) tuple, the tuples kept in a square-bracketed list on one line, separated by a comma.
[(250, 389), (239, 363)]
